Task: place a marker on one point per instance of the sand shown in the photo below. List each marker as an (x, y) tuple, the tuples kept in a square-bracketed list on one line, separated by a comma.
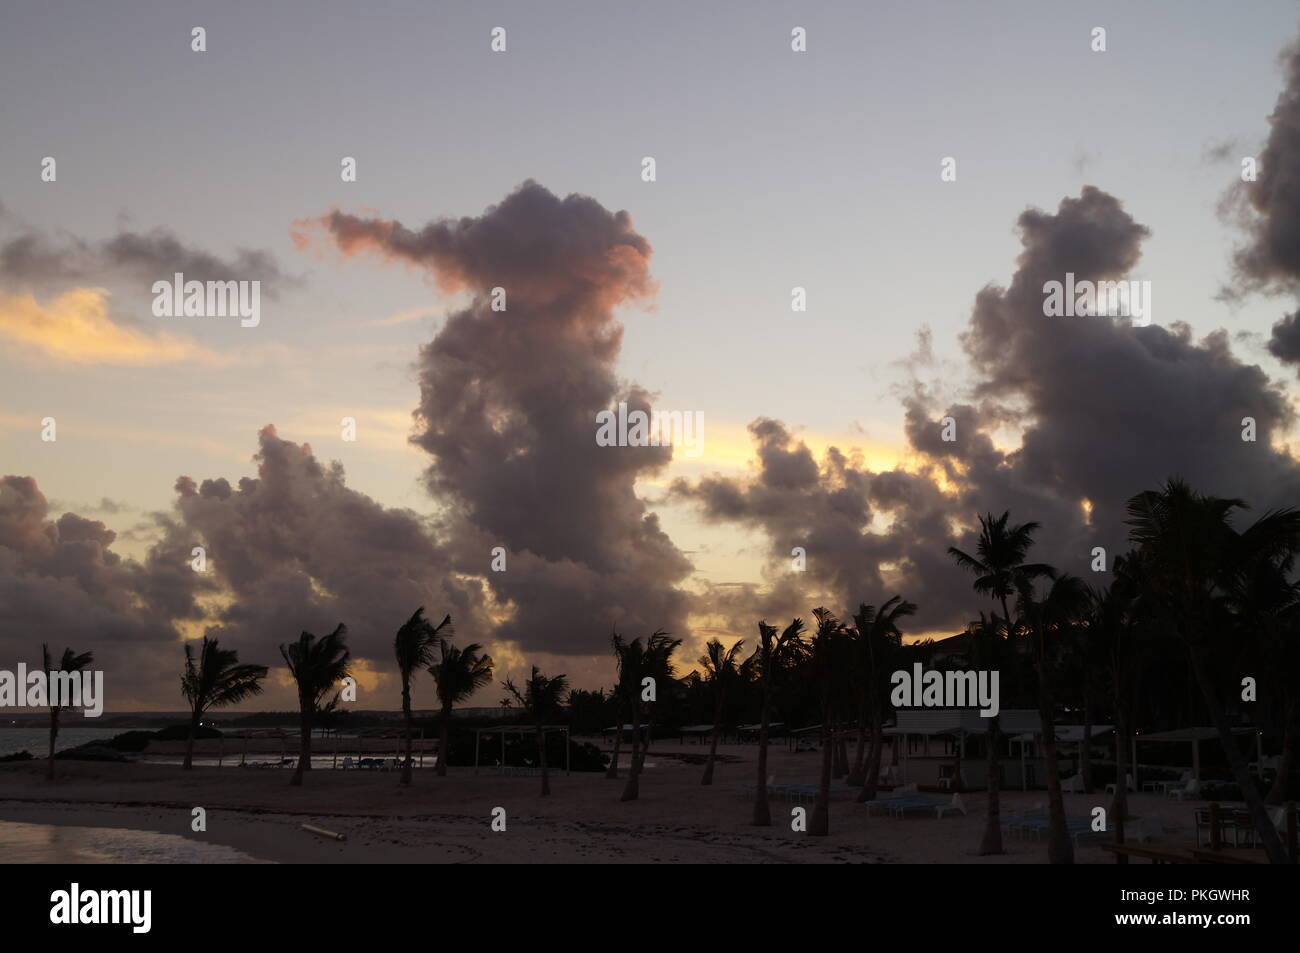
[(448, 820)]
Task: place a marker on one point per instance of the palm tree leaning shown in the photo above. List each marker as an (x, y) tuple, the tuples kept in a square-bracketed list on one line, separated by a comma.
[(541, 699), (720, 671), (619, 695), (876, 639), (1052, 617), (458, 674), (214, 678), (998, 565), (413, 647), (644, 670), (770, 655), (317, 665), (70, 662), (1192, 553), (827, 674)]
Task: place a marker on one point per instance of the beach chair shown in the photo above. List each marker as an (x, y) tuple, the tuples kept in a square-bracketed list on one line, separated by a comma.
[(1128, 779), (347, 763), (1191, 789), (956, 804)]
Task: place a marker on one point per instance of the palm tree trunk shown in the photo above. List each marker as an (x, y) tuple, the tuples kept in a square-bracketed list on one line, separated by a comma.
[(304, 744), (410, 722), (188, 765), (992, 840), (54, 733), (819, 825), (1060, 849), (611, 773), (1119, 804), (713, 746), (633, 789), (1085, 755), (1268, 836), (762, 811), (871, 781), (857, 772), (541, 760), (444, 739), (841, 755), (1291, 714)]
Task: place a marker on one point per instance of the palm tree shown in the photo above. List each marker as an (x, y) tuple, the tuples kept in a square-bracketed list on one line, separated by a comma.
[(541, 699), (875, 636), (317, 665), (414, 646), (1193, 553), (998, 564), (639, 663), (1053, 615), (770, 654), (827, 674), (620, 693), (720, 671), (214, 678), (459, 674), (70, 662)]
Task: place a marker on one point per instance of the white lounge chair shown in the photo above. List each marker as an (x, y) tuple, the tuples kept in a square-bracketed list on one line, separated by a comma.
[(1191, 789), (957, 804), (1128, 778)]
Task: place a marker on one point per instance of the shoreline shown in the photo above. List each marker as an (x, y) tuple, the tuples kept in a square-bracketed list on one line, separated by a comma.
[(449, 820)]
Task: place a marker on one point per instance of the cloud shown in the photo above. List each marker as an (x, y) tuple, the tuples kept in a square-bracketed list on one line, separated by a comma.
[(76, 327), (36, 261), (1269, 207), (508, 405), (1098, 410)]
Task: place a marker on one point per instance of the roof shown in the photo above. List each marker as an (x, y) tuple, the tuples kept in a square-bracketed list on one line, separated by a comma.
[(1067, 732), (1190, 734)]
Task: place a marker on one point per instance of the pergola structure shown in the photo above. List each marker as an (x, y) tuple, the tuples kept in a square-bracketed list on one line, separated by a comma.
[(504, 730), (1194, 737)]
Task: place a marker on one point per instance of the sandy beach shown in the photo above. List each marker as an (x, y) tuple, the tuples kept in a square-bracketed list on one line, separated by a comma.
[(448, 820)]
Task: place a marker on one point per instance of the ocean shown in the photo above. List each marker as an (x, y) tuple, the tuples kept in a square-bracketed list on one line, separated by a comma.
[(58, 844)]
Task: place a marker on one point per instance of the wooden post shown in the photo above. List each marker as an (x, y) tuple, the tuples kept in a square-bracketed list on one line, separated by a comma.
[(1214, 826), (221, 749), (478, 734), (244, 757), (335, 762)]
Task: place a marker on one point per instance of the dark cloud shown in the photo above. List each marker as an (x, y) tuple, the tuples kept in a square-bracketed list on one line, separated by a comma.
[(1094, 409), (1284, 341), (508, 407), (295, 548), (36, 261), (1269, 207), (61, 583)]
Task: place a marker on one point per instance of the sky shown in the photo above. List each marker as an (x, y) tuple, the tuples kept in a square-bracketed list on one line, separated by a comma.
[(774, 169)]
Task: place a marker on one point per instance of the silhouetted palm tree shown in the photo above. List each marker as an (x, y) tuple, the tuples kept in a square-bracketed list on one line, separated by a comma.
[(1050, 620), (770, 654), (827, 672), (1192, 553), (643, 670), (541, 699), (720, 671), (874, 639), (459, 673), (70, 662), (414, 646), (317, 665), (998, 564), (214, 678)]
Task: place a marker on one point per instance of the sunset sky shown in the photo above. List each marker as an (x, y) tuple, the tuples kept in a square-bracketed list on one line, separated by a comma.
[(522, 169)]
